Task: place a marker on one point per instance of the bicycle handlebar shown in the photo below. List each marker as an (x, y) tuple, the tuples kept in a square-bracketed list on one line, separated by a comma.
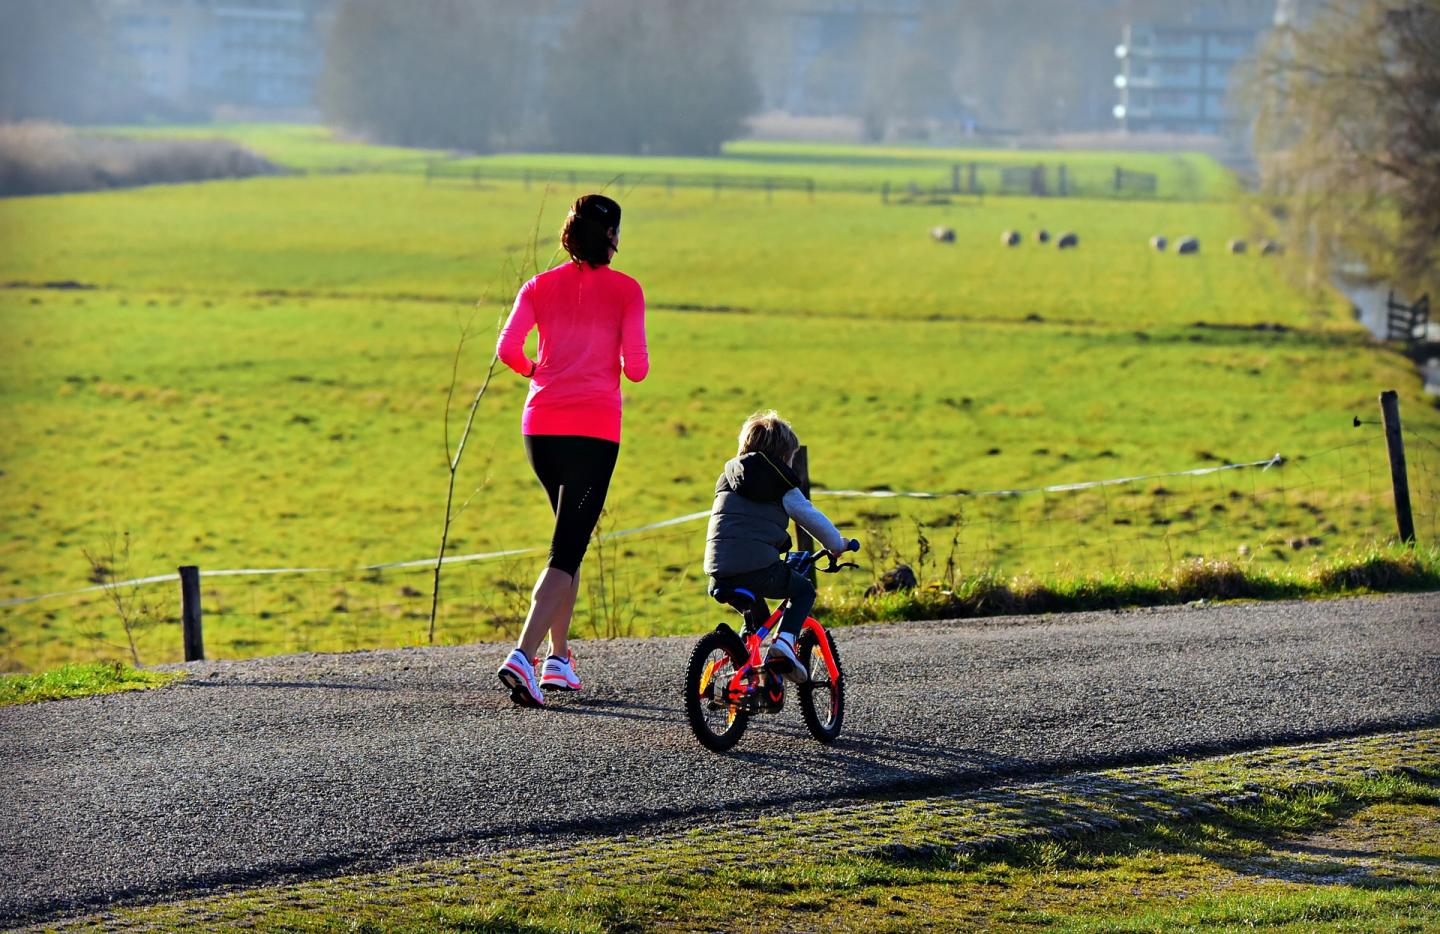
[(802, 561)]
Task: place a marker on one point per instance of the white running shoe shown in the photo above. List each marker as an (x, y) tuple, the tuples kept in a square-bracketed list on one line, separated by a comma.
[(783, 659), (559, 674), (518, 674)]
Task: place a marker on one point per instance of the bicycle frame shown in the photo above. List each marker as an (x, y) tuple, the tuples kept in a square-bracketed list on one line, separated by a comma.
[(743, 683)]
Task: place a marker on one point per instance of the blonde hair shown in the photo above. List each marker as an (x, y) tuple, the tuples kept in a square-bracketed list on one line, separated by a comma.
[(769, 434)]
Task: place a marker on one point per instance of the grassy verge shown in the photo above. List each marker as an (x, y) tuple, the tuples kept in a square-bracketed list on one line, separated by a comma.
[(79, 681), (1378, 569), (1359, 851)]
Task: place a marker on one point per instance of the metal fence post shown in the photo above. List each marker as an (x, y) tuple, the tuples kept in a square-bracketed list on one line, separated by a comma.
[(1395, 443), (190, 613)]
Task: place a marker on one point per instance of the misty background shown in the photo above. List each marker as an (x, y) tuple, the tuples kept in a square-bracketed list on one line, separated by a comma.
[(627, 76)]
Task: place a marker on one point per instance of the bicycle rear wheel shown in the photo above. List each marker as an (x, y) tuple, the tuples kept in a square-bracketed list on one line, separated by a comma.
[(822, 698), (714, 660)]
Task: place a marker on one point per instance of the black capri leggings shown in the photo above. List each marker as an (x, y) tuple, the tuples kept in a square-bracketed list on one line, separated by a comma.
[(575, 471)]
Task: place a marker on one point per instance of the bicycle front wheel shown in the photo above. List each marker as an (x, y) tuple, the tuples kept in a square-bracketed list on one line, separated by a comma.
[(822, 697), (718, 725)]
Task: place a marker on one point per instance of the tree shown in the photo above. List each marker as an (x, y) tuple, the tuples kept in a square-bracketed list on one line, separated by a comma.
[(1347, 132), (650, 76), (443, 74)]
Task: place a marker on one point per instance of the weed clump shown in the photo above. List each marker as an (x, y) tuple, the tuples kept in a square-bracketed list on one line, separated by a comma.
[(79, 680), (44, 158), (1381, 569)]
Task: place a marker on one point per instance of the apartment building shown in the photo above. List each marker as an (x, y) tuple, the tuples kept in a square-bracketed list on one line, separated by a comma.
[(261, 54), (1177, 77)]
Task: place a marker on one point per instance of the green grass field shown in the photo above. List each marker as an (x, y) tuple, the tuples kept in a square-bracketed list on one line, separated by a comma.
[(258, 381)]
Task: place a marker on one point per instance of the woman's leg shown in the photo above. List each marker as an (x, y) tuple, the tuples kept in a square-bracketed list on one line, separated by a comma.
[(576, 473), (553, 597), (560, 624)]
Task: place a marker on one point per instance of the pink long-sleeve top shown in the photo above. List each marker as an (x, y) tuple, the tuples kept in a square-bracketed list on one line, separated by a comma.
[(592, 326)]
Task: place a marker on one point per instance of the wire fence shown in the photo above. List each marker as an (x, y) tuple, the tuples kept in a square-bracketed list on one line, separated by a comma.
[(971, 179), (1282, 512)]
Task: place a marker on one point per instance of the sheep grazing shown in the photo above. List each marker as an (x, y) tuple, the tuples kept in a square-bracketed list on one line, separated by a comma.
[(1270, 248), (1158, 243), (943, 234), (1010, 238), (1236, 246), (1068, 241), (1042, 236), (1187, 245)]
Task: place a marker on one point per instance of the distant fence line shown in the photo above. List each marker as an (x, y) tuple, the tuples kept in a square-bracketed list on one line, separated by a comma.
[(972, 178)]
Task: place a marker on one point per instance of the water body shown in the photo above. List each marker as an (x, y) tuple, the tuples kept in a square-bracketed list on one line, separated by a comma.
[(1370, 300)]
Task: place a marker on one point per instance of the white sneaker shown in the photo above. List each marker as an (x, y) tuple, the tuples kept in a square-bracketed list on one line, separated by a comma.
[(518, 674), (783, 659), (559, 674)]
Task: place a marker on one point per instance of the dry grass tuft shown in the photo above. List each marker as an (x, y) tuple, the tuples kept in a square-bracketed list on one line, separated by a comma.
[(45, 158)]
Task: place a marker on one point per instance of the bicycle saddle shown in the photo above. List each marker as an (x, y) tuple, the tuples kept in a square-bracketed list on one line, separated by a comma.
[(737, 598)]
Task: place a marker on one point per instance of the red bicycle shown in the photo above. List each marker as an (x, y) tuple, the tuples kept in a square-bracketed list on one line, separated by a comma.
[(727, 680)]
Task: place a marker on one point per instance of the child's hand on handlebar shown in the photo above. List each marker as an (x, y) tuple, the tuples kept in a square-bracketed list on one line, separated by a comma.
[(850, 545)]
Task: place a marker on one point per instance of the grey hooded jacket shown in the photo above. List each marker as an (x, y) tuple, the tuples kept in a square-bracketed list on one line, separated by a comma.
[(755, 499)]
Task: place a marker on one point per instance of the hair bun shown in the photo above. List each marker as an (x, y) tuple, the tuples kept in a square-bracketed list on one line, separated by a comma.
[(597, 208)]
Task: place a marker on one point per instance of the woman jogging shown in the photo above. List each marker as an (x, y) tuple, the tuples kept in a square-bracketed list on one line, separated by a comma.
[(592, 327)]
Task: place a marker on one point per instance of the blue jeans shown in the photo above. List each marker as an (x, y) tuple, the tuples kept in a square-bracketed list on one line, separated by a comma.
[(776, 582)]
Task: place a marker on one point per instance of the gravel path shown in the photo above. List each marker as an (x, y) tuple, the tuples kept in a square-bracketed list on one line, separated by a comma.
[(280, 767)]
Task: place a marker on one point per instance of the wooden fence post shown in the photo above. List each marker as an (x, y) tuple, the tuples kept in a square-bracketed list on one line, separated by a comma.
[(1064, 180), (803, 541), (1390, 413), (190, 613)]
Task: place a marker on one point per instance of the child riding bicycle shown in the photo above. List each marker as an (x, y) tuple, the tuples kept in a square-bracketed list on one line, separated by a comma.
[(755, 498)]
